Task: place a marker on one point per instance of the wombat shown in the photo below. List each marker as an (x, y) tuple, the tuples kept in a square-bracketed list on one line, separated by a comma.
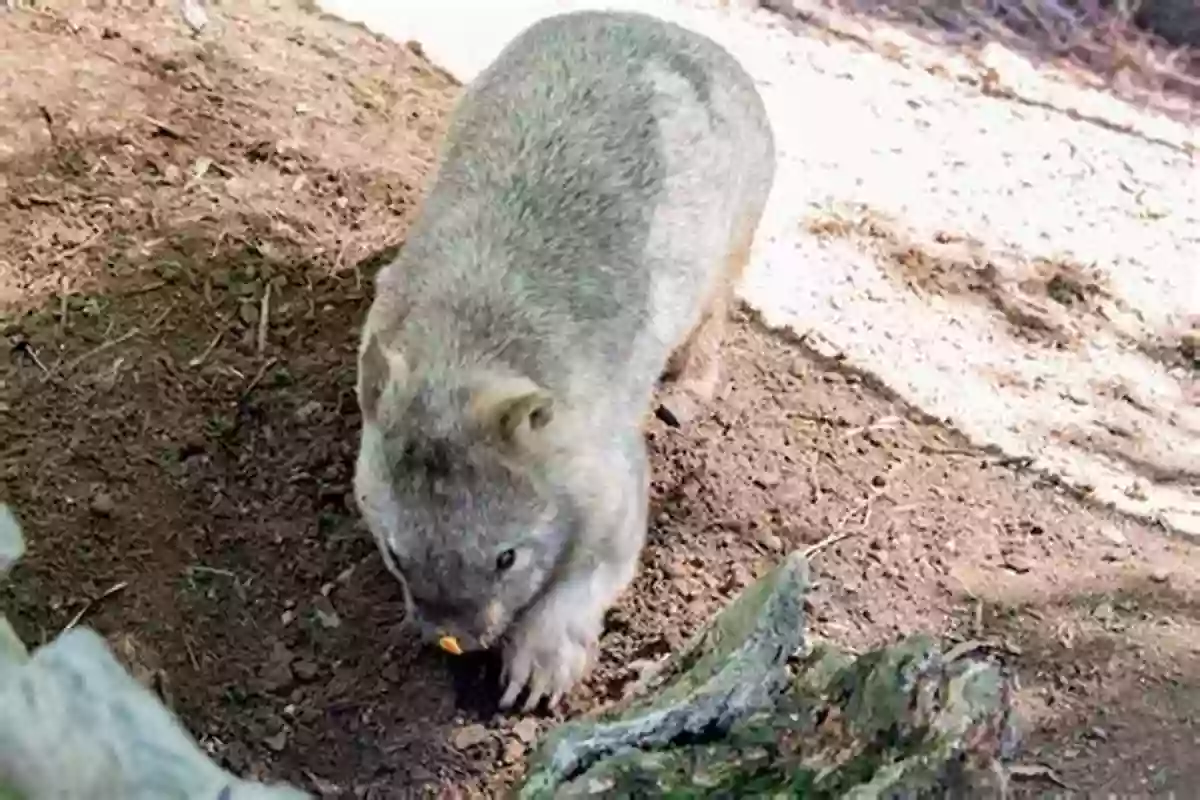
[(598, 190)]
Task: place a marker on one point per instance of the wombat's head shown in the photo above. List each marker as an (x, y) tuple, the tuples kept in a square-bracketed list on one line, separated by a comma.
[(448, 481)]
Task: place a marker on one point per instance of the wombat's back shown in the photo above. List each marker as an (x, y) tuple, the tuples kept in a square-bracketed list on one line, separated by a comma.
[(591, 182)]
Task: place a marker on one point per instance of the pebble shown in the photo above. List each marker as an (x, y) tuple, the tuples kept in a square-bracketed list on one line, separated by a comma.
[(770, 541), (526, 730), (1113, 534), (323, 610), (307, 411), (1160, 575), (514, 751), (469, 736), (102, 504), (248, 312), (739, 578), (305, 670), (277, 742), (768, 480), (1018, 563), (673, 569), (734, 525), (277, 673)]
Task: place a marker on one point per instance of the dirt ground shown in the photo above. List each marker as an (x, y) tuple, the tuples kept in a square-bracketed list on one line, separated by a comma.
[(187, 236)]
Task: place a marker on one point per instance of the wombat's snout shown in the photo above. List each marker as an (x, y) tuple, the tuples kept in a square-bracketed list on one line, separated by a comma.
[(457, 633)]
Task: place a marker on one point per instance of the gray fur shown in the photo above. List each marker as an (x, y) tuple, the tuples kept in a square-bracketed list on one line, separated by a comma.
[(592, 181)]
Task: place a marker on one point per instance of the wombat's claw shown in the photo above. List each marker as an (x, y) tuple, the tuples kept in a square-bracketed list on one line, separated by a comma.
[(547, 658)]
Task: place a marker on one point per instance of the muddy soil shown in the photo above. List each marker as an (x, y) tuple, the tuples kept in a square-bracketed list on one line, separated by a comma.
[(188, 233)]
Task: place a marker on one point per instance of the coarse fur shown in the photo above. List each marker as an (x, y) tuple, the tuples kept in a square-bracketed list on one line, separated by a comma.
[(599, 188)]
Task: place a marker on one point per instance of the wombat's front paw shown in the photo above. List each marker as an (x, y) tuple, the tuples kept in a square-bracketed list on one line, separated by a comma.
[(549, 652)]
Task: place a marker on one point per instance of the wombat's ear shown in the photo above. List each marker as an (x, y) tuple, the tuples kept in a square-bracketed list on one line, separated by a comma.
[(376, 367), (512, 410)]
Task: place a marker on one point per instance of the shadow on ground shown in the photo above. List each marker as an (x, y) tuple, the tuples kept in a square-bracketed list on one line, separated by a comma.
[(1111, 677), (1150, 58)]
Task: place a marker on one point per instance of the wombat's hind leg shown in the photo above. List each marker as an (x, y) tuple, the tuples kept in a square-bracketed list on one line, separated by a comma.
[(693, 374)]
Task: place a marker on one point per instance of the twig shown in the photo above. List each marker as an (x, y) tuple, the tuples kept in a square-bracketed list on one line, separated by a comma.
[(187, 645), (164, 128), (820, 419), (814, 481), (70, 251), (90, 604), (26, 348), (828, 541), (264, 316), (838, 533), (973, 645), (144, 288), (880, 424), (95, 351), (63, 305), (200, 359), (166, 312), (212, 571), (339, 260), (1038, 771), (258, 376)]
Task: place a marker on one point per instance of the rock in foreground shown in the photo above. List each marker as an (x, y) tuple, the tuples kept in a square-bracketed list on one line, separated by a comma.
[(74, 725), (908, 720)]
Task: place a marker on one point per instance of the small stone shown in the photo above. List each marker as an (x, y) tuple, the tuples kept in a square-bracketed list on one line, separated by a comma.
[(769, 540), (1189, 343), (1136, 491), (514, 751), (1098, 733), (305, 670), (1113, 534), (307, 411), (1160, 575), (526, 730), (767, 480), (1018, 563), (674, 569), (1104, 612), (102, 505), (470, 736), (739, 578), (248, 313), (277, 742), (734, 525), (324, 612), (276, 674)]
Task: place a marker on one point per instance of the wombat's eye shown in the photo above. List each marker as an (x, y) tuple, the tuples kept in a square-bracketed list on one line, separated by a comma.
[(505, 560)]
